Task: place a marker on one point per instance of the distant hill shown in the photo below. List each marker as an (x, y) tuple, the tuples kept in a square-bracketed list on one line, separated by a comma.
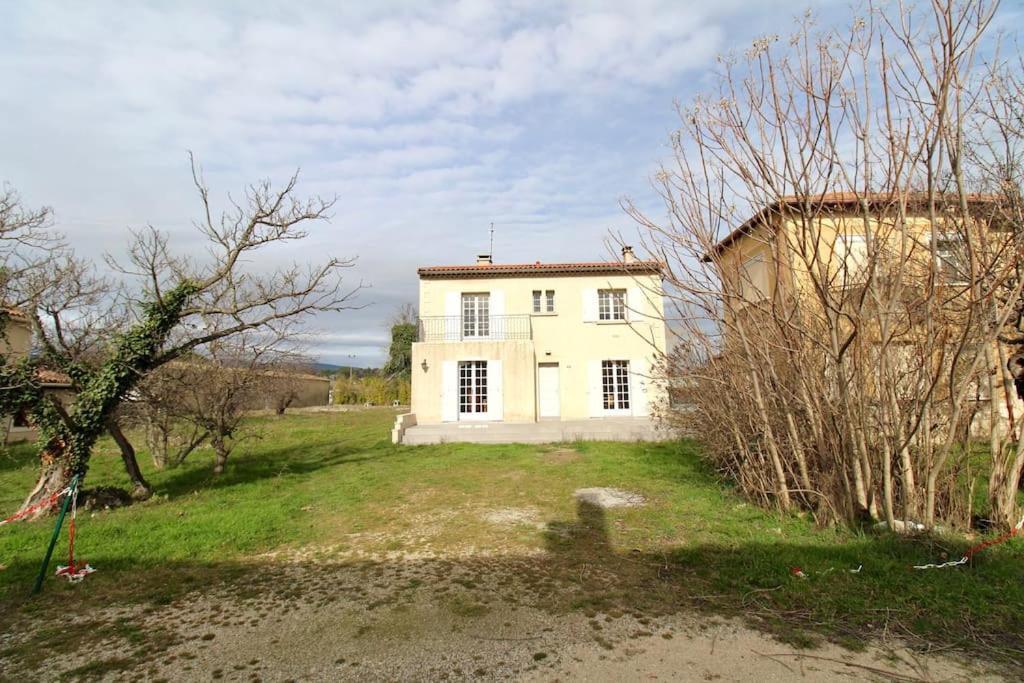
[(325, 368)]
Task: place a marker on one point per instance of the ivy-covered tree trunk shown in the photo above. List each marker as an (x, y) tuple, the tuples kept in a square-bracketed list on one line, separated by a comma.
[(70, 435)]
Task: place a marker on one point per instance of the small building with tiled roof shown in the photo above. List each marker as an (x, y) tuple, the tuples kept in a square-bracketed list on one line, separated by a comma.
[(528, 342), (15, 343)]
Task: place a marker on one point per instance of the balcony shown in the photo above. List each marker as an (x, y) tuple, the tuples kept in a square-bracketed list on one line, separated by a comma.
[(457, 328)]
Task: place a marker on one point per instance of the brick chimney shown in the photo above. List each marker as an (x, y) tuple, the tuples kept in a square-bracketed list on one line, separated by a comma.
[(627, 255), (483, 259)]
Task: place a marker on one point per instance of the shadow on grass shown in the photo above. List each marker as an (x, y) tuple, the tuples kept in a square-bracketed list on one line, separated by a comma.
[(977, 611), (267, 464)]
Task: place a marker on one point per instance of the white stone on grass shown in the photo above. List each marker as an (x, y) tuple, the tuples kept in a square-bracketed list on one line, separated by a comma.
[(609, 498)]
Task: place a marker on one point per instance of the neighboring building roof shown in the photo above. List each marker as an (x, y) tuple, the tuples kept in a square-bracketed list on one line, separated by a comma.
[(483, 270), (55, 377), (834, 200), (14, 312)]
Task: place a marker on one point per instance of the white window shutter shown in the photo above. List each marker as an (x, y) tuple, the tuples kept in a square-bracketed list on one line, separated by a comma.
[(635, 304), (495, 391), (639, 386), (452, 316), (589, 305), (594, 398), (449, 391), (497, 309)]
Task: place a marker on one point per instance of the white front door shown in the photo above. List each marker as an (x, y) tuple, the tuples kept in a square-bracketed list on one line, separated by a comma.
[(547, 389)]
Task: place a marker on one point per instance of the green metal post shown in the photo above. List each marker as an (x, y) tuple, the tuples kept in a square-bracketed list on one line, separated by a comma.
[(56, 534)]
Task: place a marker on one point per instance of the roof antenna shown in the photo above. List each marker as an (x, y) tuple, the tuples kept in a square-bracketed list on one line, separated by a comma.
[(491, 251)]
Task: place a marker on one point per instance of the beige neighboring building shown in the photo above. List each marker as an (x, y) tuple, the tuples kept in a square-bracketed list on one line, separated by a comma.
[(304, 390), (764, 263), (524, 343), (16, 343)]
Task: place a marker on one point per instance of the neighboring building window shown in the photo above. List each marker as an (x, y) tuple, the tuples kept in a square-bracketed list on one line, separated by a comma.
[(611, 304), (852, 254), (951, 254), (472, 386), (537, 301), (476, 315), (549, 298), (754, 279), (615, 384)]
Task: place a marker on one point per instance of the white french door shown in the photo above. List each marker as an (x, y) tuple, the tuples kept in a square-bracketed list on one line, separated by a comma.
[(473, 390), (615, 397)]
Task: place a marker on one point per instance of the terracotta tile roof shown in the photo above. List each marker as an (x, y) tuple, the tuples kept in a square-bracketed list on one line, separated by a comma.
[(47, 376), (835, 200), (538, 268), (14, 312)]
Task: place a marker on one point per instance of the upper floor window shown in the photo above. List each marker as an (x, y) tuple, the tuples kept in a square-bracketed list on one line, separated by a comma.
[(953, 264), (611, 304), (476, 315), (753, 280), (851, 252), (544, 301)]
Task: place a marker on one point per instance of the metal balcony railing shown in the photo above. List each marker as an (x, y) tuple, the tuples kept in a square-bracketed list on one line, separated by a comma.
[(479, 328)]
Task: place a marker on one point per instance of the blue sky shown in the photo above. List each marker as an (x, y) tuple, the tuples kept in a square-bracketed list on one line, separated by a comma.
[(427, 120)]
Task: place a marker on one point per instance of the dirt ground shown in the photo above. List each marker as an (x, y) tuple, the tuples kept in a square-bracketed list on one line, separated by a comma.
[(438, 618)]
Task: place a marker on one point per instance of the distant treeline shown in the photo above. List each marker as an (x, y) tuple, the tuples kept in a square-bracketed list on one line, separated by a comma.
[(346, 370)]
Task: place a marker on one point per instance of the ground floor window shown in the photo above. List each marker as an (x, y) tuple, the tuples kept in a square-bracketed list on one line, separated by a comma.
[(472, 386), (615, 384)]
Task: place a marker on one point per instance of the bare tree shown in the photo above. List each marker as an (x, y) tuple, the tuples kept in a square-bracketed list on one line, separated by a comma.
[(154, 407), (206, 398), (283, 381), (839, 269), (175, 305)]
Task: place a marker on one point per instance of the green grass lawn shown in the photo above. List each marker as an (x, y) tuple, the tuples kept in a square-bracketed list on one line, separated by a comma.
[(331, 487)]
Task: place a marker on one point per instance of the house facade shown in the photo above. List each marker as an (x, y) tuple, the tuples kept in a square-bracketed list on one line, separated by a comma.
[(522, 343)]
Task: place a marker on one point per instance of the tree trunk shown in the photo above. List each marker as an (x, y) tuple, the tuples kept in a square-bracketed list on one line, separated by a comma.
[(72, 436), (142, 490), (221, 450), (52, 478), (1003, 484)]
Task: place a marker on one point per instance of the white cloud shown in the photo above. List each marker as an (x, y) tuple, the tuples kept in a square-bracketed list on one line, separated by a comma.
[(428, 121)]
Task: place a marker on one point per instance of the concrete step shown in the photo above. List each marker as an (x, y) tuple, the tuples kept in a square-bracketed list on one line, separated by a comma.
[(613, 429)]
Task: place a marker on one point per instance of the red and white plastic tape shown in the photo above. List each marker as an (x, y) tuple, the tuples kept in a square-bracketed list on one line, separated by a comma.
[(43, 504), (971, 552)]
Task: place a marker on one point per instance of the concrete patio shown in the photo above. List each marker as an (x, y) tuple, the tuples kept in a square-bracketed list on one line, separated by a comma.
[(554, 431)]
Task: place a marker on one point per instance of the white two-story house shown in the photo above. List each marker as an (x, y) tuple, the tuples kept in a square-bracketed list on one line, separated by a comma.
[(537, 342)]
